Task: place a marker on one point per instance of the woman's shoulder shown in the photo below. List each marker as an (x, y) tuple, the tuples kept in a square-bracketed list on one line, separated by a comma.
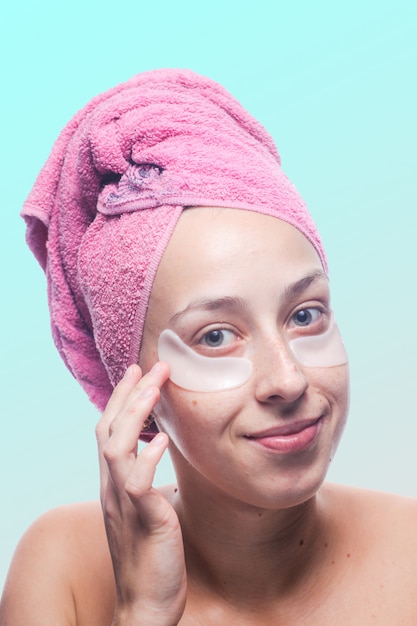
[(368, 500), (75, 528), (62, 560), (383, 521), (375, 545)]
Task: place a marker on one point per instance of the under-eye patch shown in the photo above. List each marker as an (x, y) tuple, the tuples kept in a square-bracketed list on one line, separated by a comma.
[(196, 372), (324, 350)]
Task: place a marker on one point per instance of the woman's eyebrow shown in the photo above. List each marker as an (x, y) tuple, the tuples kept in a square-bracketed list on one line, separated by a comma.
[(234, 302), (212, 304), (298, 287)]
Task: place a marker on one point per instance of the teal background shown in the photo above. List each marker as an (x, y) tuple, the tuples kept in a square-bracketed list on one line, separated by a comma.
[(335, 84)]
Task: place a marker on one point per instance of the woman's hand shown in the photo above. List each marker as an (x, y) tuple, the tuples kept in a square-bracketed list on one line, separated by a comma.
[(143, 530)]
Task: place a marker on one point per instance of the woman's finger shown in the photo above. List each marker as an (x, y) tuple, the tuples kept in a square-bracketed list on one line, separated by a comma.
[(120, 449), (116, 402), (118, 435), (118, 398), (140, 479)]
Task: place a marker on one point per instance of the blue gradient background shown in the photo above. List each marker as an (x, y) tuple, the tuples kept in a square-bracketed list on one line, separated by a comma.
[(335, 84)]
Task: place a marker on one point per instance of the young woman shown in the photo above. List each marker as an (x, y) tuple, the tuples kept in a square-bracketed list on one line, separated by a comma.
[(189, 295)]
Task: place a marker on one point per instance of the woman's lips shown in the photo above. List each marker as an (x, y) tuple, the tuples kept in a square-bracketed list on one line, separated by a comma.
[(289, 438)]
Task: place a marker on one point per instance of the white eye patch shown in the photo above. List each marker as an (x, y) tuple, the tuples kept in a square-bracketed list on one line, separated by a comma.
[(196, 372), (325, 350)]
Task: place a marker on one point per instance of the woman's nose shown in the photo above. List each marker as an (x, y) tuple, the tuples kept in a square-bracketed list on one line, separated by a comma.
[(278, 373)]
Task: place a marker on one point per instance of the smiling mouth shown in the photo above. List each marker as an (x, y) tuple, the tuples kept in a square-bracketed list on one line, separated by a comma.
[(294, 437)]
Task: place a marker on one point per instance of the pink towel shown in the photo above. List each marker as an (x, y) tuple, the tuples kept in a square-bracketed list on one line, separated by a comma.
[(104, 206)]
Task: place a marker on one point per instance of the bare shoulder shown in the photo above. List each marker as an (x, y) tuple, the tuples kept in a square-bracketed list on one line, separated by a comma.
[(372, 555), (62, 563), (381, 512)]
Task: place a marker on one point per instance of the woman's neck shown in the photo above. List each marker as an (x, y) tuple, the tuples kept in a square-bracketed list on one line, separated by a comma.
[(239, 551)]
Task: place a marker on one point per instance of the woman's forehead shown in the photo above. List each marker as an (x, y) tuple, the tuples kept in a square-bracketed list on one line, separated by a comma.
[(207, 237), (231, 252)]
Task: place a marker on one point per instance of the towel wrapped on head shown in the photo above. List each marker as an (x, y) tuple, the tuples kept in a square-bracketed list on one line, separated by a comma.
[(105, 204)]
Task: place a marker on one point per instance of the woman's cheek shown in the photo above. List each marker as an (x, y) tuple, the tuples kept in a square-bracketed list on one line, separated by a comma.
[(334, 386), (179, 411), (341, 386), (330, 382)]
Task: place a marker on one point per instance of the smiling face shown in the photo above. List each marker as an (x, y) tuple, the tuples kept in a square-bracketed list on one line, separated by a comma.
[(238, 283)]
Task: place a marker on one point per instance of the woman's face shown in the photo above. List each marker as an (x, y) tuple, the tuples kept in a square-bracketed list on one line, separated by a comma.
[(234, 283)]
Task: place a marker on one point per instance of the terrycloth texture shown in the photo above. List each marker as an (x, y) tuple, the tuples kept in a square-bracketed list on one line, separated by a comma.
[(105, 204)]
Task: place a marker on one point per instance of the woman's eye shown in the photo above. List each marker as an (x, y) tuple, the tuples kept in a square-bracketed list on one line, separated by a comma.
[(217, 337), (305, 317)]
